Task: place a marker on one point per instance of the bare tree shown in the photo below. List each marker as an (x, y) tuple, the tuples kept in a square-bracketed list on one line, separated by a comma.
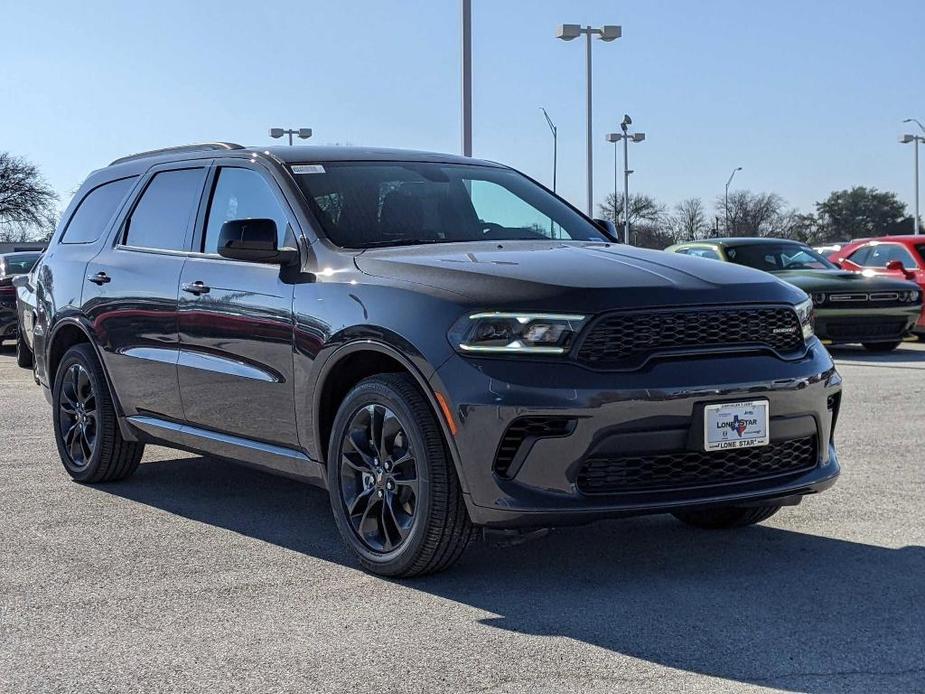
[(751, 214), (649, 222), (689, 220), (27, 202)]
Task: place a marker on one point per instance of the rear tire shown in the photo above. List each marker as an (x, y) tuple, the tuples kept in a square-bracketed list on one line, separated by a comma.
[(394, 492), (881, 346), (24, 356), (89, 440), (726, 516)]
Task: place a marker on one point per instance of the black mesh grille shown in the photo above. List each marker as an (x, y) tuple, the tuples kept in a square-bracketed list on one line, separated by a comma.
[(624, 339), (693, 468), (526, 428), (860, 329)]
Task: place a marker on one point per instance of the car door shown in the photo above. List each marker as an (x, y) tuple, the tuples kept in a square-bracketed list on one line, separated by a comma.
[(131, 295), (235, 318)]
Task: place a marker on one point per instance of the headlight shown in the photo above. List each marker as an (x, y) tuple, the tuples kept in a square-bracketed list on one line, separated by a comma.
[(515, 333), (911, 297), (805, 314), (818, 298)]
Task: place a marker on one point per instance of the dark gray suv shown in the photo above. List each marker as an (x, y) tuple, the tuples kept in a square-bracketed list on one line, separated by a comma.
[(440, 342)]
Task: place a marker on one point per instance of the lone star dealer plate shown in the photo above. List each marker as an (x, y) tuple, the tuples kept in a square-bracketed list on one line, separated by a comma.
[(735, 425)]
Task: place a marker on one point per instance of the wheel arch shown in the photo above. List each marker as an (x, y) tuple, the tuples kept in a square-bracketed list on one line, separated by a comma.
[(349, 365), (66, 333)]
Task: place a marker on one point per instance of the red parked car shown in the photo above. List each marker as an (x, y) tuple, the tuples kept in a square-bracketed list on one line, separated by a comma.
[(895, 256)]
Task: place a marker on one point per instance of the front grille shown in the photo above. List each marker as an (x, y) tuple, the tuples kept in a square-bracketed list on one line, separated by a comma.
[(626, 339), (694, 468), (863, 300), (527, 430), (860, 329)]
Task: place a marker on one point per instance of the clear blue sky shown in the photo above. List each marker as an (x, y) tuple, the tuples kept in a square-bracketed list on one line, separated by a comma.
[(807, 96)]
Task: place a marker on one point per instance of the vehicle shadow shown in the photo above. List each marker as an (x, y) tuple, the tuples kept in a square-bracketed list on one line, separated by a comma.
[(761, 605)]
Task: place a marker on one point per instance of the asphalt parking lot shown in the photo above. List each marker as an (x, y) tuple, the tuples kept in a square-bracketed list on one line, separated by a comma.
[(197, 575)]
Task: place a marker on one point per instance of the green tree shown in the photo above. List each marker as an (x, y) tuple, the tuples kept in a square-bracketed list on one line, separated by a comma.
[(861, 212)]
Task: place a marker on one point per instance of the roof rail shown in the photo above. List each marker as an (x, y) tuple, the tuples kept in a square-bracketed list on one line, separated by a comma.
[(200, 147)]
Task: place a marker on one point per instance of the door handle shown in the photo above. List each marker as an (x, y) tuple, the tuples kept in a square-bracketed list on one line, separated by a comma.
[(196, 287), (99, 278)]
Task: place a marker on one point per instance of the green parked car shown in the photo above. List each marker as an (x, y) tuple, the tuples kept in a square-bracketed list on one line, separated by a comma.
[(850, 306)]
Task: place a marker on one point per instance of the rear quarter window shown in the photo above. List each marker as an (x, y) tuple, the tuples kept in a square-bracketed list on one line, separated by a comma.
[(96, 210)]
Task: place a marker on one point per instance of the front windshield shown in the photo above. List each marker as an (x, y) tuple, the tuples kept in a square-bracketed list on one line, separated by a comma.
[(778, 257), (368, 204), (18, 264)]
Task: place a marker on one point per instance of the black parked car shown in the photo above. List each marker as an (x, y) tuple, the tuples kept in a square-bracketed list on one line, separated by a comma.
[(439, 341), (12, 265)]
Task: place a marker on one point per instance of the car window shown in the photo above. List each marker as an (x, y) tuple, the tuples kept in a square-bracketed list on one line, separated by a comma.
[(859, 257), (778, 257), (497, 206), (162, 217), (365, 204), (704, 253), (95, 211), (242, 194), (883, 253), (18, 264)]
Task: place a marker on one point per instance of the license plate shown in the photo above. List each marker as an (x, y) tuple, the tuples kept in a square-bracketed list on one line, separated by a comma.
[(735, 425)]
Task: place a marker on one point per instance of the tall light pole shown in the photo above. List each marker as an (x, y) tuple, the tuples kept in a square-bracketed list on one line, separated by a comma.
[(726, 199), (555, 146), (608, 32), (303, 133), (917, 139), (626, 137), (465, 24)]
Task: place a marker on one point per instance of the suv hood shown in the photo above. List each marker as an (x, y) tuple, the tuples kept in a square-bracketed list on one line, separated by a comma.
[(842, 280), (573, 276)]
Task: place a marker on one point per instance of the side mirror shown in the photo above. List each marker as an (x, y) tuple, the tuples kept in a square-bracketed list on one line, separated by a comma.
[(21, 280), (849, 265), (254, 241), (897, 266), (609, 228)]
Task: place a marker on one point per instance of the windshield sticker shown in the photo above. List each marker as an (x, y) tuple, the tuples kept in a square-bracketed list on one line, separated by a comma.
[(307, 169)]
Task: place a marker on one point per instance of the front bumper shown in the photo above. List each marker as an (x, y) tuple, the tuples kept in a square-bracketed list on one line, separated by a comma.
[(869, 324), (651, 412)]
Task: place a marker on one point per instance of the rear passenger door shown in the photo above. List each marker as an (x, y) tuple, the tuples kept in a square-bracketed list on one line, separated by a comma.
[(132, 285), (236, 327)]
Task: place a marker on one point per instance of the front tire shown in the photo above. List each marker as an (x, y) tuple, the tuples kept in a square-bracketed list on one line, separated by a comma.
[(89, 441), (24, 356), (726, 516), (395, 496), (881, 346)]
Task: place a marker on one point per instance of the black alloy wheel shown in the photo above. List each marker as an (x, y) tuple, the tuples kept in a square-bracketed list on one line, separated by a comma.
[(378, 478), (396, 498), (86, 427), (77, 416)]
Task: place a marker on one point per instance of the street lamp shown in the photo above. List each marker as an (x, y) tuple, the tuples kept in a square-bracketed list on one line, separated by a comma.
[(303, 133), (906, 139), (726, 199), (465, 31), (555, 145), (626, 137), (608, 32)]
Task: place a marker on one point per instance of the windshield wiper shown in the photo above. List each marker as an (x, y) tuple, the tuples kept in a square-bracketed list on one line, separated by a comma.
[(401, 242)]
